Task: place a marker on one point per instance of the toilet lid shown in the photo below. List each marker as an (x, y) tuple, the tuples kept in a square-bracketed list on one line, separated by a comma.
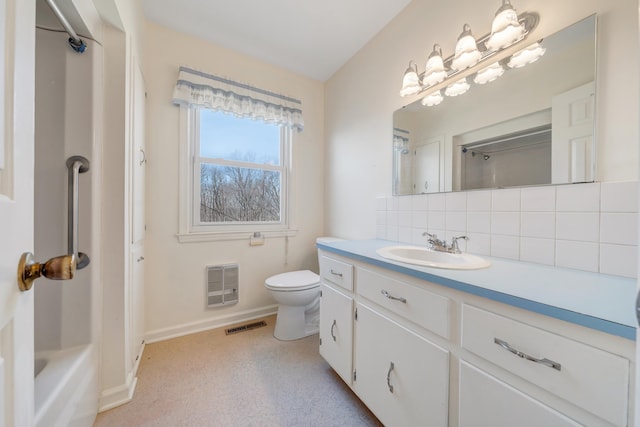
[(293, 280)]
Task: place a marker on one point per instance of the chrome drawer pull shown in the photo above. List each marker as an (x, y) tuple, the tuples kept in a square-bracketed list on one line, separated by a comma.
[(391, 366), (388, 295), (336, 274), (333, 326), (546, 362)]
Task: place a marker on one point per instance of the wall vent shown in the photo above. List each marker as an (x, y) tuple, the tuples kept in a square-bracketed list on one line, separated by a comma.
[(222, 285)]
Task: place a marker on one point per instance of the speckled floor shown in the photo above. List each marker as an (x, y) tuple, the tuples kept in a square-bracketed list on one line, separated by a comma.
[(244, 379)]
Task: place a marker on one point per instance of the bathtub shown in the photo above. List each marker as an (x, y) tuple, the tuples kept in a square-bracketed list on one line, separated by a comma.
[(65, 381)]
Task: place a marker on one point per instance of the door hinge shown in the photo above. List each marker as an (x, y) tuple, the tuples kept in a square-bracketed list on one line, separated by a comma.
[(356, 314), (354, 375), (320, 341), (320, 294)]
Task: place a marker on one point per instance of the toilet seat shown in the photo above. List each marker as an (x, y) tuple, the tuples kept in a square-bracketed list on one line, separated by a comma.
[(293, 281)]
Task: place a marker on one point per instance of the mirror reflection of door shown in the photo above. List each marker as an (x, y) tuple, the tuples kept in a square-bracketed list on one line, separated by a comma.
[(572, 138), (427, 166)]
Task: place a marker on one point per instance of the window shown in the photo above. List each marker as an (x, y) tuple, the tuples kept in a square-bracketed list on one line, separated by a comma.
[(234, 168), (239, 170)]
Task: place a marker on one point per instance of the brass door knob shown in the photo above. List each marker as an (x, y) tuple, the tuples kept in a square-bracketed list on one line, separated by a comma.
[(57, 268)]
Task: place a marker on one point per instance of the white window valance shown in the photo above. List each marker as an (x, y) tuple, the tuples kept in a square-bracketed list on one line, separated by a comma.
[(198, 89)]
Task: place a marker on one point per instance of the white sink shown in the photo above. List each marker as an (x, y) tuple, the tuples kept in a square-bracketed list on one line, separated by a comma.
[(429, 258)]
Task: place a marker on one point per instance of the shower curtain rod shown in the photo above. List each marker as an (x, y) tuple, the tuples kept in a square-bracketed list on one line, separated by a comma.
[(75, 42)]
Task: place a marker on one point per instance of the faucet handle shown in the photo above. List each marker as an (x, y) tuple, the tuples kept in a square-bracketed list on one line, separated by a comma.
[(454, 243)]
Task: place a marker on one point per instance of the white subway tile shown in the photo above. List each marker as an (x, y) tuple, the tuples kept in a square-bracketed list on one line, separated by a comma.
[(577, 255), (538, 199), (405, 234), (381, 218), (507, 200), (436, 220), (505, 246), (538, 224), (381, 203), (381, 232), (392, 218), (405, 219), (619, 228), (506, 223), (479, 222), (619, 196), (456, 201), (419, 219), (577, 226), (479, 244), (578, 198), (392, 233), (420, 202), (417, 237), (539, 251), (479, 201), (392, 203), (456, 221), (437, 202), (619, 260), (404, 203)]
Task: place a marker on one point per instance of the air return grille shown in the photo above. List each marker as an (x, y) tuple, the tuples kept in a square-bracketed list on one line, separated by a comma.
[(222, 285)]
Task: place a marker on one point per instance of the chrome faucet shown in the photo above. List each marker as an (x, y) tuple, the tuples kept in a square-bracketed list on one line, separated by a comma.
[(441, 246)]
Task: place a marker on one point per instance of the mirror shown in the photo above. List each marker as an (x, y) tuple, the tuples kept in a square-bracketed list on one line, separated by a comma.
[(532, 126)]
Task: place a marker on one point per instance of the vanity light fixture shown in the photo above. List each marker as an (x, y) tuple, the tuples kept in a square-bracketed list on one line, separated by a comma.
[(457, 88), (507, 30), (410, 81), (489, 74), (434, 98), (528, 55), (466, 53)]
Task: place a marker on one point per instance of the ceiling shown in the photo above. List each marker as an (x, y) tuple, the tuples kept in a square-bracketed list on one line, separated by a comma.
[(309, 37)]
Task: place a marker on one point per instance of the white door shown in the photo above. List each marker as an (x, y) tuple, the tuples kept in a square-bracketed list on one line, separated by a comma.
[(427, 167), (17, 68), (572, 135)]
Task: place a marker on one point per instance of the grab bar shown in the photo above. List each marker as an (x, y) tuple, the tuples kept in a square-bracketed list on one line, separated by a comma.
[(76, 166)]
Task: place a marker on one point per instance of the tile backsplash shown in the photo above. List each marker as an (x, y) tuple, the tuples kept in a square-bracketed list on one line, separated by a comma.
[(591, 227)]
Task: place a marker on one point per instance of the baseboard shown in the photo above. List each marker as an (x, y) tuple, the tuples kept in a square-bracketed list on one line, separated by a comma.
[(211, 323), (118, 395)]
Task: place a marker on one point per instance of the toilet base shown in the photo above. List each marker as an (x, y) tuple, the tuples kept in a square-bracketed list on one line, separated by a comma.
[(293, 323)]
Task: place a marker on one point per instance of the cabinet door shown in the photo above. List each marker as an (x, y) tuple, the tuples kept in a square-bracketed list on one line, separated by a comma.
[(487, 401), (401, 376), (336, 330), (138, 156), (136, 308)]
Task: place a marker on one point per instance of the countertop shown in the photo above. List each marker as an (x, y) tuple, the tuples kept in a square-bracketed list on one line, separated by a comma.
[(597, 301)]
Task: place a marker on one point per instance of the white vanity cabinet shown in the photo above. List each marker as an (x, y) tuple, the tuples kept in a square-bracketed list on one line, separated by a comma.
[(422, 353), (402, 377), (336, 315)]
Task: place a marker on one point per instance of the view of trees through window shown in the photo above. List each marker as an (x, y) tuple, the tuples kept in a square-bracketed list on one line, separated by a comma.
[(235, 194), (240, 170)]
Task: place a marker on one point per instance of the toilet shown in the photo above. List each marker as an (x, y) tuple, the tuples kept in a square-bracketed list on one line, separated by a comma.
[(298, 296)]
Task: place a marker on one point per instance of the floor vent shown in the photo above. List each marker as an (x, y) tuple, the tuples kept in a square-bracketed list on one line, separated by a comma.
[(222, 285), (243, 328)]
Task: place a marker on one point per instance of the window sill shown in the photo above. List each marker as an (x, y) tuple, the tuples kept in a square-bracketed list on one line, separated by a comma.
[(219, 236)]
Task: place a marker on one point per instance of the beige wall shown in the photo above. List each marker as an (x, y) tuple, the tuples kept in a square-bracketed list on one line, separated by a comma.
[(361, 97), (175, 272)]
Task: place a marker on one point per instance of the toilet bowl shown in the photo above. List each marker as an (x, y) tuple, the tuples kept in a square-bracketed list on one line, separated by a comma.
[(298, 296)]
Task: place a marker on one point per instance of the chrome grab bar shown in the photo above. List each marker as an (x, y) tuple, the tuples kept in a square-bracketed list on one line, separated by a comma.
[(545, 361), (76, 166)]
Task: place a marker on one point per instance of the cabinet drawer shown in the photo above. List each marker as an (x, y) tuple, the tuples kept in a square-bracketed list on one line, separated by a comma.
[(590, 378), (337, 272), (429, 310)]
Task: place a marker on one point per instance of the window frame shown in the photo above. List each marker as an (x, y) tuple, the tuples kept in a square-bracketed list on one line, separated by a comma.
[(190, 227)]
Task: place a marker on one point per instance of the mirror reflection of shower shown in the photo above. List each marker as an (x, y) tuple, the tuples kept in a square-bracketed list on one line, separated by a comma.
[(522, 158), (402, 161)]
